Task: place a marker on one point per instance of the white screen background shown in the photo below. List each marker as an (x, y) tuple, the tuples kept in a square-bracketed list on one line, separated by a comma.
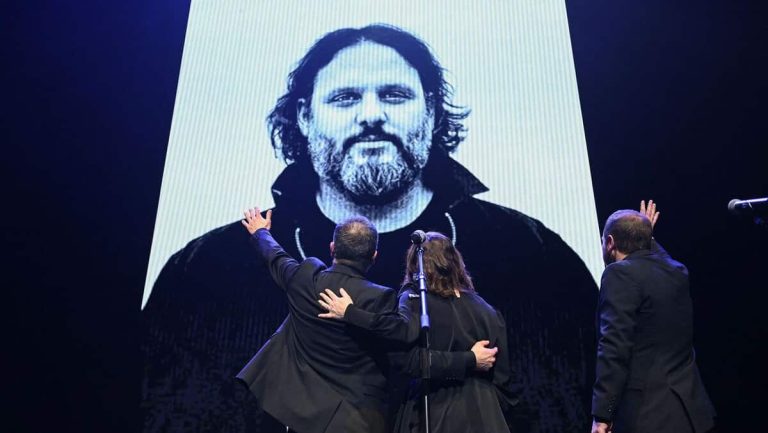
[(509, 61)]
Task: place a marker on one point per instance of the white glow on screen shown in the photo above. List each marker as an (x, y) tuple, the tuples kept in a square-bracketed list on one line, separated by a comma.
[(509, 61)]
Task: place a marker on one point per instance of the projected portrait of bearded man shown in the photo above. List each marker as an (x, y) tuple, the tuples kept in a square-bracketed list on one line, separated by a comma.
[(367, 127)]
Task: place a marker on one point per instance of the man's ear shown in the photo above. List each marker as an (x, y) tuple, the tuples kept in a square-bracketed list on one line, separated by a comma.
[(610, 243), (375, 254), (303, 112), (333, 249)]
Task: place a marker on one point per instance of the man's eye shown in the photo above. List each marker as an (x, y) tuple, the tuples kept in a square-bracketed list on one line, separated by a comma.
[(344, 98), (394, 97)]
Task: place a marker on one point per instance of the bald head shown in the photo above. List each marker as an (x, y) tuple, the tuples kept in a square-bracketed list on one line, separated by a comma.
[(355, 241)]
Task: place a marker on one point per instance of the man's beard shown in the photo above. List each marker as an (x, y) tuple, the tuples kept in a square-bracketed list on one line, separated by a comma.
[(372, 181)]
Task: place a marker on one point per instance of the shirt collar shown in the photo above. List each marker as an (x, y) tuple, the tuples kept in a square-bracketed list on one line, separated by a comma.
[(638, 253), (346, 270)]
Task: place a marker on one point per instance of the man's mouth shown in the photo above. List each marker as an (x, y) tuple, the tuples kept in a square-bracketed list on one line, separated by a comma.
[(371, 138), (372, 144), (378, 150)]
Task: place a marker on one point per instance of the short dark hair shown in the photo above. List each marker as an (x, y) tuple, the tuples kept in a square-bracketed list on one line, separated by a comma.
[(443, 266), (282, 122), (355, 241), (631, 230)]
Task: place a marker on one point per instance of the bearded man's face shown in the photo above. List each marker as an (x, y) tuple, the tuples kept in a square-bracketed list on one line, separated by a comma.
[(368, 124)]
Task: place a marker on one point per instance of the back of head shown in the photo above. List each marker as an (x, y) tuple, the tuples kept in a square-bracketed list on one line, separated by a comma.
[(631, 230), (355, 241), (443, 266)]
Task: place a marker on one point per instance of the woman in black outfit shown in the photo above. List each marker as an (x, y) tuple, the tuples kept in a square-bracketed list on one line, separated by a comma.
[(462, 397)]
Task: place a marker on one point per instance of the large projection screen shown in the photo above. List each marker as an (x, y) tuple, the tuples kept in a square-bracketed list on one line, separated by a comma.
[(509, 62), (530, 242)]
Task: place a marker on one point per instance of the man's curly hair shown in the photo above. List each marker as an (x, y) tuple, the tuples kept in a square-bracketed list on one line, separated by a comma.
[(288, 140)]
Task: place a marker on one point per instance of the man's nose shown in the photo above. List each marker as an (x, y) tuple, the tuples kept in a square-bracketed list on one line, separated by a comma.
[(371, 112)]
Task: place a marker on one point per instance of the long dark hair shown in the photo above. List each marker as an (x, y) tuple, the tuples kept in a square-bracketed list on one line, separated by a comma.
[(443, 265), (282, 122)]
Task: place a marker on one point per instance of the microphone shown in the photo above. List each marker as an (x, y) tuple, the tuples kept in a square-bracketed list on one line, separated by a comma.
[(418, 237), (754, 207)]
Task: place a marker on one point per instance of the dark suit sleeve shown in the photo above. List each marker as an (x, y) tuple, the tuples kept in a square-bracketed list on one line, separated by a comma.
[(392, 324), (281, 265), (618, 303), (444, 365)]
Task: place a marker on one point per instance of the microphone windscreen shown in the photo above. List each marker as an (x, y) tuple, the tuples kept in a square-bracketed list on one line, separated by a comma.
[(418, 237), (732, 205)]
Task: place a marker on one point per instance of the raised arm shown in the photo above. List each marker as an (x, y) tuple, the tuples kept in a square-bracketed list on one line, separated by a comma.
[(281, 265)]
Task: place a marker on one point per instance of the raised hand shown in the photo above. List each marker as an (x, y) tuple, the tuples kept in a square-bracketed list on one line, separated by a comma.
[(254, 221), (484, 357), (649, 211)]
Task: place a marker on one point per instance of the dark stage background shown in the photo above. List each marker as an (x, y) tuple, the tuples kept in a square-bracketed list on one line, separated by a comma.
[(673, 99)]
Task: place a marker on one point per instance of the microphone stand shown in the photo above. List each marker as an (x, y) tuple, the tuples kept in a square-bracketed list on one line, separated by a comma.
[(425, 358)]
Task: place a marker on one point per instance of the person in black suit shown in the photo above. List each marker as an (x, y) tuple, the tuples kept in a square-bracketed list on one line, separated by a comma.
[(646, 374), (315, 375)]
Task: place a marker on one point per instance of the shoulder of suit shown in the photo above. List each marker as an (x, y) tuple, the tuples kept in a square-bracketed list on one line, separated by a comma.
[(314, 262), (622, 273), (619, 268), (380, 288)]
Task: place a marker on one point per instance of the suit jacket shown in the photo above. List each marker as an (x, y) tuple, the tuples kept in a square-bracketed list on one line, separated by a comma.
[(647, 379), (317, 375)]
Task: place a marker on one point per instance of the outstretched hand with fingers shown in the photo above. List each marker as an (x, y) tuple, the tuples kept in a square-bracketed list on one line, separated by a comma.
[(649, 211), (254, 221)]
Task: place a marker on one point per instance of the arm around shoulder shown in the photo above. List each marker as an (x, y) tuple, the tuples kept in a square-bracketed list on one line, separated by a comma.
[(397, 324)]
